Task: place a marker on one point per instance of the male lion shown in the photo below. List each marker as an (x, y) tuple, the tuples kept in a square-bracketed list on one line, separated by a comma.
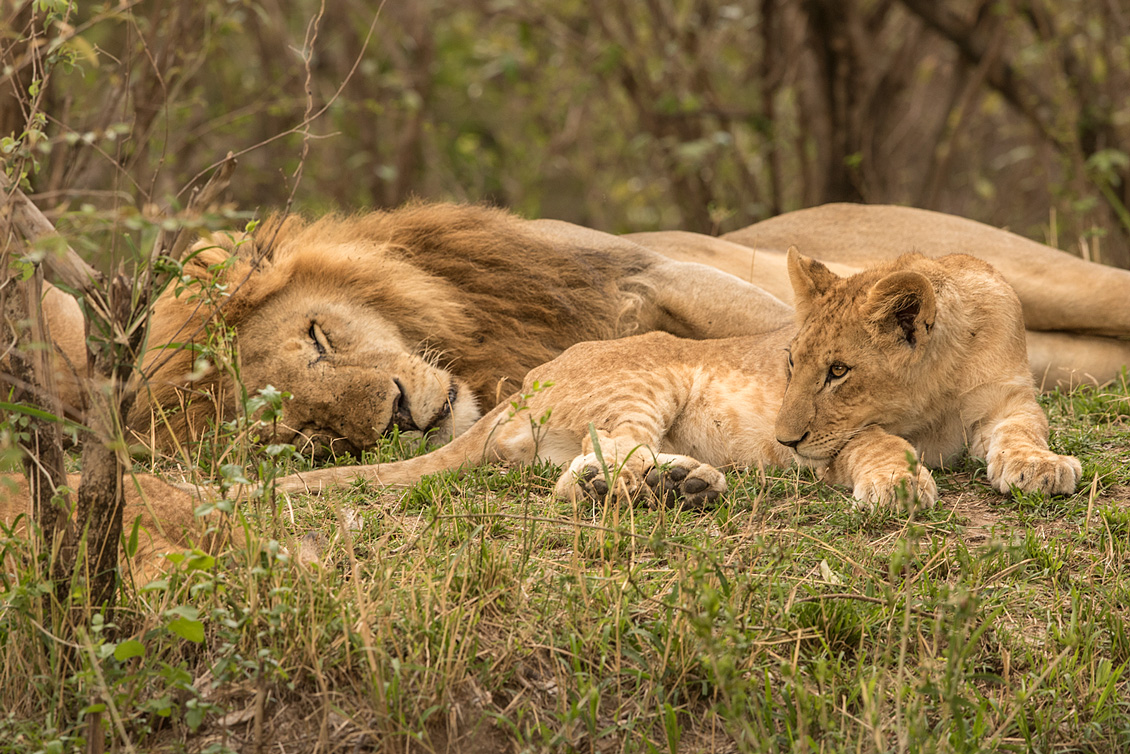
[(904, 362)]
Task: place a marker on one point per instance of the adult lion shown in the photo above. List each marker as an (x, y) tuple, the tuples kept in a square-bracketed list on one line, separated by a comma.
[(911, 359), (413, 319), (420, 317)]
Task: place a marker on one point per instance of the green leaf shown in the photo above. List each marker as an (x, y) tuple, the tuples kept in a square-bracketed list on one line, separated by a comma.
[(191, 630), (185, 624), (128, 649), (131, 544), (200, 561)]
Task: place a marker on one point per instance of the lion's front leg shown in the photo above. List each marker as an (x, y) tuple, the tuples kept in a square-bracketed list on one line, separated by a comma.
[(624, 464), (1014, 443), (878, 466)]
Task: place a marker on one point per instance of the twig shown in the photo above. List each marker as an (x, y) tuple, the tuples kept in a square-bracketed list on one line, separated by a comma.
[(177, 241), (67, 266), (312, 116)]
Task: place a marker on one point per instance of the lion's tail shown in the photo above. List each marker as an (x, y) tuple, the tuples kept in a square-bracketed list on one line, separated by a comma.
[(474, 447)]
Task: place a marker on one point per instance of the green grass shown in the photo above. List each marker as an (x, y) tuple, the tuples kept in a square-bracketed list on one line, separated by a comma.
[(477, 613)]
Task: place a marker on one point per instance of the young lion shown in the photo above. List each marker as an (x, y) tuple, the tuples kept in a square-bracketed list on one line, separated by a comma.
[(909, 360)]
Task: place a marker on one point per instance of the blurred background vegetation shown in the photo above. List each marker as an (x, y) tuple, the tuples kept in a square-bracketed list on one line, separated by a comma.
[(622, 115)]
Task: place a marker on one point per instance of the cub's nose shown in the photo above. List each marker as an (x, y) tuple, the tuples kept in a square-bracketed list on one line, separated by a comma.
[(792, 444)]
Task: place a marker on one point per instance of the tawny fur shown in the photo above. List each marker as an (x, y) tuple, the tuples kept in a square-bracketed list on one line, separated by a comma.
[(165, 517), (484, 296), (429, 300), (1076, 312), (67, 333), (438, 296), (893, 368), (453, 284)]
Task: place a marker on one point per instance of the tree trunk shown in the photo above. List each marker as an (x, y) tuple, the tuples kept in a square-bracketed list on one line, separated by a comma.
[(29, 371)]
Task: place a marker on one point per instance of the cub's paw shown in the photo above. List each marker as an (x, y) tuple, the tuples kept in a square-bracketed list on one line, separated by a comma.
[(675, 477), (882, 487), (586, 477), (1034, 470)]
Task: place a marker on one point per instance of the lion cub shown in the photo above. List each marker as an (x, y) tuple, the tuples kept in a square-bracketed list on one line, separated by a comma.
[(905, 362)]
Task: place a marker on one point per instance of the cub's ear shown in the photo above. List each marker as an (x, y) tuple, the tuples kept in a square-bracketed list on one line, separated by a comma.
[(809, 278), (902, 304)]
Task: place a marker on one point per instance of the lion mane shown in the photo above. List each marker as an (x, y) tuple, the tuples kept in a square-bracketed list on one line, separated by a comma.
[(470, 287)]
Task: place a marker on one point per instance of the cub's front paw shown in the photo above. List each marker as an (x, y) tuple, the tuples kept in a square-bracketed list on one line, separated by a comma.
[(1034, 470), (586, 477), (670, 477), (675, 476), (882, 487)]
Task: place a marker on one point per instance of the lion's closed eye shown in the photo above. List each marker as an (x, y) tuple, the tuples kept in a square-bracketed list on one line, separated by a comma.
[(321, 342)]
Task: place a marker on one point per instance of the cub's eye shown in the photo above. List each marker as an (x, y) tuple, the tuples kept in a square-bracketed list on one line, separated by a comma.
[(321, 342), (837, 370)]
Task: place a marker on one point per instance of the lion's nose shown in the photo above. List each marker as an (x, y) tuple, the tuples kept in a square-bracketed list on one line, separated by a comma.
[(402, 412), (792, 444)]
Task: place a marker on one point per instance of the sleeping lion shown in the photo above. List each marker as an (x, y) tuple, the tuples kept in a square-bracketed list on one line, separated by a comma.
[(884, 372), (415, 319)]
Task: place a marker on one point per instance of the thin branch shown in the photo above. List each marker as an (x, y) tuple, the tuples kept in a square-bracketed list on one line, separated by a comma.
[(176, 241), (66, 265), (1001, 75), (311, 117)]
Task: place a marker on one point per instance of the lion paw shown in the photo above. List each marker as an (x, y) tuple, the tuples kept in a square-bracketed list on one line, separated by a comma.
[(586, 478), (1034, 470), (883, 488), (675, 477), (669, 478)]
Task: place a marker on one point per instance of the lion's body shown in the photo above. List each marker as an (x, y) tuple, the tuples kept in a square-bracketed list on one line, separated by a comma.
[(1076, 312), (166, 524), (419, 317), (669, 411), (67, 333), (428, 315)]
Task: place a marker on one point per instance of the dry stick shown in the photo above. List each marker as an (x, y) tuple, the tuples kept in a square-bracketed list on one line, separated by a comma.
[(66, 265), (306, 121), (173, 243)]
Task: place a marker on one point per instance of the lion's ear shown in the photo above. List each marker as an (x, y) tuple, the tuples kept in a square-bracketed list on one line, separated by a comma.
[(205, 261), (228, 280), (903, 304), (809, 277)]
